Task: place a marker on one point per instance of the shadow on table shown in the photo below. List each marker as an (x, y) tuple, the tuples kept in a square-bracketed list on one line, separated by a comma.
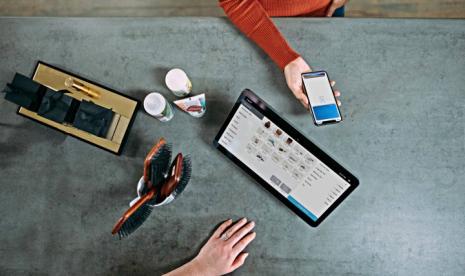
[(290, 105), (159, 74), (20, 137), (218, 108)]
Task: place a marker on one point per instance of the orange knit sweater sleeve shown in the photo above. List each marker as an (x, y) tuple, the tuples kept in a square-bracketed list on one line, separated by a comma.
[(252, 19)]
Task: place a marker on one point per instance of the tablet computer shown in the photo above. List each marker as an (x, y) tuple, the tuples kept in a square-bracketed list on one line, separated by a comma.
[(282, 160)]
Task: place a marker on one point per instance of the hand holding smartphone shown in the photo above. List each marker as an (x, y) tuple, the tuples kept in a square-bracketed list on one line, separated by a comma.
[(321, 98)]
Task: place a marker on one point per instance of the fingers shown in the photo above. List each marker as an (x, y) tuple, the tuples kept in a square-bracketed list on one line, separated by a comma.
[(242, 244), (337, 93), (239, 261), (222, 228), (241, 233), (331, 10), (238, 225)]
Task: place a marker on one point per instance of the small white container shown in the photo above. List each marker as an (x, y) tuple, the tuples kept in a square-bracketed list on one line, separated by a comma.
[(177, 81), (140, 188), (157, 106)]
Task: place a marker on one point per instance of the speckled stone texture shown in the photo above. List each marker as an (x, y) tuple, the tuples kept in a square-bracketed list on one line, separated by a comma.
[(402, 84)]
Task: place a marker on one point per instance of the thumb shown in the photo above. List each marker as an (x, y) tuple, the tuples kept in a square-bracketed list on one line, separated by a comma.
[(239, 261), (331, 10)]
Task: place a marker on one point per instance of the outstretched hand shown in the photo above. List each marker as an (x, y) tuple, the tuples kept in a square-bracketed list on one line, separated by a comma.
[(223, 252), (293, 74)]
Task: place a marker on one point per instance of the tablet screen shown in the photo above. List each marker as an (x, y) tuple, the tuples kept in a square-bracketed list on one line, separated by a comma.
[(281, 161)]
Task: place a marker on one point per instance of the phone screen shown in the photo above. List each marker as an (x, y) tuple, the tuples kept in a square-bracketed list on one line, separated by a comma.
[(321, 97)]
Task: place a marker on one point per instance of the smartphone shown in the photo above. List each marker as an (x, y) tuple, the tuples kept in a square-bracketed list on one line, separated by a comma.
[(321, 98)]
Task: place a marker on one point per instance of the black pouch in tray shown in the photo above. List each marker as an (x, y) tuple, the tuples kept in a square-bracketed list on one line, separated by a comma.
[(58, 107), (93, 118), (24, 92)]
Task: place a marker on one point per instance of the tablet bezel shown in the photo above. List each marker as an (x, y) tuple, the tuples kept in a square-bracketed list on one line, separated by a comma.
[(267, 111)]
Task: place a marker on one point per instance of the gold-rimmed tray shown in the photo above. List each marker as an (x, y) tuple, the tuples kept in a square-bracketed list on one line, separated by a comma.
[(124, 107)]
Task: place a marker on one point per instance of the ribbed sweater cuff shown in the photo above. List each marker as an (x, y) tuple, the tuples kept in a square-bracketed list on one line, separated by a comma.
[(250, 17)]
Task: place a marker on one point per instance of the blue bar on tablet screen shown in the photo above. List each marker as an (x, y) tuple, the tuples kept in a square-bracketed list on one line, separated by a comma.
[(302, 208), (327, 111)]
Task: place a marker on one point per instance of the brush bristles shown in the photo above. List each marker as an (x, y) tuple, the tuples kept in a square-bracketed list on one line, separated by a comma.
[(135, 221), (185, 176), (159, 166), (160, 163)]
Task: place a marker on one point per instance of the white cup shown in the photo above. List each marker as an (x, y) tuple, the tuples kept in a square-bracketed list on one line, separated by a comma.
[(178, 82), (140, 188), (157, 106)]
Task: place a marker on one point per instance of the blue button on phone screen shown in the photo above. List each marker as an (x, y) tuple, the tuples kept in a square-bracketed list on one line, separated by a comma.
[(327, 111)]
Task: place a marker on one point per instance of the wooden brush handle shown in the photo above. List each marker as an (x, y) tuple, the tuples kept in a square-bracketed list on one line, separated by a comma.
[(148, 159), (173, 178), (148, 196)]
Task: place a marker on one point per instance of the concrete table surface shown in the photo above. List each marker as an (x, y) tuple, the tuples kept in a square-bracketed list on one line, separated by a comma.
[(402, 84)]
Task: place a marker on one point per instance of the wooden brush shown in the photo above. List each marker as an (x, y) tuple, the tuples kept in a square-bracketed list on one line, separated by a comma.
[(156, 165), (161, 182), (135, 216), (179, 176)]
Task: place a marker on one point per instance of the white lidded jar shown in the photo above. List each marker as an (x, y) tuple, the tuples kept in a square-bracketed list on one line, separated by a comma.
[(157, 106), (178, 82)]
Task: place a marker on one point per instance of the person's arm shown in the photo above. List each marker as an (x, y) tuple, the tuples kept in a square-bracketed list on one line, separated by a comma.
[(223, 252), (250, 17)]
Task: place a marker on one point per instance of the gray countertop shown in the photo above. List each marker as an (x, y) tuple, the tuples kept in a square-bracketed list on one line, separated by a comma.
[(403, 94)]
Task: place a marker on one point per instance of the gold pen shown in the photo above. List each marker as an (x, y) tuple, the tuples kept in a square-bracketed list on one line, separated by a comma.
[(70, 82)]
